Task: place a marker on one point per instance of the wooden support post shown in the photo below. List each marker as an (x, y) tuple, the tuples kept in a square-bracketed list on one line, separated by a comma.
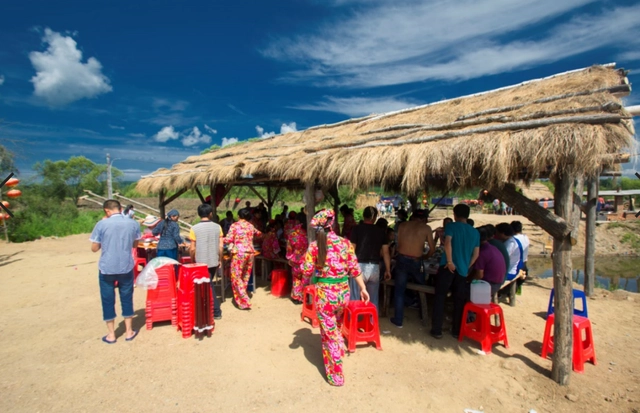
[(212, 193), (200, 195), (333, 191), (252, 189), (269, 201), (161, 203), (310, 208), (590, 245), (555, 225), (563, 285), (175, 196)]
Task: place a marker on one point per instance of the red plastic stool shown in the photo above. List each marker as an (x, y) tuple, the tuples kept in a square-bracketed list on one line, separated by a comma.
[(309, 305), (361, 325), (583, 348), (137, 261), (186, 296), (280, 285), (161, 304), (481, 330), (185, 260)]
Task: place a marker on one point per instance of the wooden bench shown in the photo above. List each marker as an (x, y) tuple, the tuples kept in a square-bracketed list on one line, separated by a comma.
[(422, 290), (512, 289), (265, 271)]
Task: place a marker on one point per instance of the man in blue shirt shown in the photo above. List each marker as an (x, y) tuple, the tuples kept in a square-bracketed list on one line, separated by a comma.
[(115, 236), (461, 249)]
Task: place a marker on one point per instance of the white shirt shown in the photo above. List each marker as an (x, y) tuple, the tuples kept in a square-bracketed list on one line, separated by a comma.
[(524, 240), (514, 254)]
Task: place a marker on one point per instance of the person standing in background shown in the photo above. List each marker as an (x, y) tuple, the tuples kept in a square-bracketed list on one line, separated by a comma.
[(170, 238)]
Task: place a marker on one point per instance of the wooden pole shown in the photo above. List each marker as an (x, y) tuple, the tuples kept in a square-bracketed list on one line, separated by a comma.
[(269, 201), (310, 208), (116, 195), (333, 191), (590, 246), (161, 203), (214, 205), (563, 285)]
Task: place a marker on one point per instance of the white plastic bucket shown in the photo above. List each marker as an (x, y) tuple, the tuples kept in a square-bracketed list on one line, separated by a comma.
[(480, 292)]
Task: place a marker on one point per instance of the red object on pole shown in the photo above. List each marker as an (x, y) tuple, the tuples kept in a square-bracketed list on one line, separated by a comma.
[(12, 182), (237, 200), (6, 204), (14, 193)]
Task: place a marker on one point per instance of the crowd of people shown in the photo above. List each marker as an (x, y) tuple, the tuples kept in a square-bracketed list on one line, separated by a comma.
[(344, 262)]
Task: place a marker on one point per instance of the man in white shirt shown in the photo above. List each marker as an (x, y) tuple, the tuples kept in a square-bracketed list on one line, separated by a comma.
[(505, 233), (524, 240)]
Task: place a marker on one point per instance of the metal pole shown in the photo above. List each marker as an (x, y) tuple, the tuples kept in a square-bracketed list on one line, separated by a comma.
[(109, 188)]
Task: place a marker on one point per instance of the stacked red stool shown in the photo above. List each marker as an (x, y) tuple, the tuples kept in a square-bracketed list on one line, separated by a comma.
[(280, 285), (361, 325), (583, 348), (309, 305), (193, 276), (161, 302), (481, 329), (137, 261), (185, 259)]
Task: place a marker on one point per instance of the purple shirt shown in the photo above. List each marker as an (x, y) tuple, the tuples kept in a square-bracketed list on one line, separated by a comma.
[(492, 263)]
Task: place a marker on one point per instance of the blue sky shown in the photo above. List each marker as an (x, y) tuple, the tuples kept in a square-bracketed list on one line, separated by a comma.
[(155, 81)]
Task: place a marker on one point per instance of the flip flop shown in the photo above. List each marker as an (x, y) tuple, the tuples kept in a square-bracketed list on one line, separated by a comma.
[(135, 333), (107, 341)]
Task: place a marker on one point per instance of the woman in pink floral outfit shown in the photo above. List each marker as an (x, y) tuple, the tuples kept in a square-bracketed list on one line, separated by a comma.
[(335, 261), (240, 243), (297, 244)]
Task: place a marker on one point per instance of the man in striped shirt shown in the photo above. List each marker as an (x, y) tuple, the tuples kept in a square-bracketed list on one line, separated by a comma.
[(206, 248)]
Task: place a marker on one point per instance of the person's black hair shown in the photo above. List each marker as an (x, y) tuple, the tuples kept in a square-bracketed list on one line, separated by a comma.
[(302, 218), (382, 223), (370, 213), (127, 209), (461, 211), (344, 208), (491, 230), (484, 236), (229, 213), (245, 214), (505, 229), (517, 226), (205, 210), (111, 204), (471, 222), (420, 214), (447, 220), (402, 213)]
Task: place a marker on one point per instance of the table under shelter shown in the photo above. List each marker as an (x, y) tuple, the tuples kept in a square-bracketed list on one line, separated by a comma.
[(568, 128)]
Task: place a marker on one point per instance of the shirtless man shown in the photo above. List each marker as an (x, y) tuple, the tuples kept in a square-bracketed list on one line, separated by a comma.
[(412, 236)]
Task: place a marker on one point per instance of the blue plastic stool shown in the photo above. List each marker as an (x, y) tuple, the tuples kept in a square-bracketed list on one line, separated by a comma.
[(577, 294)]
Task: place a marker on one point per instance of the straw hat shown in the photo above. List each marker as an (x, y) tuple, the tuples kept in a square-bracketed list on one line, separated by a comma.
[(150, 221)]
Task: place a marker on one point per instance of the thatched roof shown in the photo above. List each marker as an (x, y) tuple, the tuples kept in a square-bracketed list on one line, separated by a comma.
[(525, 131)]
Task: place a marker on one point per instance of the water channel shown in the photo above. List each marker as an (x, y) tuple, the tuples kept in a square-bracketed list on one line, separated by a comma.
[(611, 272)]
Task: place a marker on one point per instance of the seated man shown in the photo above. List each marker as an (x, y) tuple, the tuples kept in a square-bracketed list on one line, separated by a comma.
[(490, 265)]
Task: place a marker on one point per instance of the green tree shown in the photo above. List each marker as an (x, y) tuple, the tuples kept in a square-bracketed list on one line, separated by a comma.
[(6, 161), (62, 179)]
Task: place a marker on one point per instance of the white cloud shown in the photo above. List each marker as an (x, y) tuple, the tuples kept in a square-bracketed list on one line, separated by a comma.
[(285, 128), (631, 56), (229, 141), (137, 135), (358, 106), (61, 76), (167, 133), (403, 41), (210, 129), (195, 137), (288, 127), (1, 80), (172, 105), (116, 127)]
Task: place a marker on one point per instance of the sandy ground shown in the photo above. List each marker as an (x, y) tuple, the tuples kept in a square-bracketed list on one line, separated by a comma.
[(52, 359)]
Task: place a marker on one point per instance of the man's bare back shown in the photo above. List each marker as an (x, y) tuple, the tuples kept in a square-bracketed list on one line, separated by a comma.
[(412, 236)]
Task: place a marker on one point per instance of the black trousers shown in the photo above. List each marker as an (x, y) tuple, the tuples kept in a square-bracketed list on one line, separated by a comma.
[(445, 281), (217, 312)]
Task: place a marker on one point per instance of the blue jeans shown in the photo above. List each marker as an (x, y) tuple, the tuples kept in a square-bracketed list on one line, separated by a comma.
[(371, 278), (108, 294), (406, 269), (172, 253)]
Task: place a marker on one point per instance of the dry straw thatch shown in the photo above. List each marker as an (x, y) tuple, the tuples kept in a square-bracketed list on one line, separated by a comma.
[(533, 129)]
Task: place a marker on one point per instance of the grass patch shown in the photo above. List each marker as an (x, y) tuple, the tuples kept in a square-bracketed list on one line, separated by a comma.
[(632, 239)]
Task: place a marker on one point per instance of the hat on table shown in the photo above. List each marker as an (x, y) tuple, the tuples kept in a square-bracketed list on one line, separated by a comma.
[(150, 221)]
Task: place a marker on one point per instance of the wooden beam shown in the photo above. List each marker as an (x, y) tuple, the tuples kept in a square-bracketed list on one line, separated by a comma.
[(161, 203), (563, 285), (310, 208), (200, 195), (212, 201), (553, 224), (157, 211), (590, 244), (333, 191), (175, 196), (258, 195), (576, 209)]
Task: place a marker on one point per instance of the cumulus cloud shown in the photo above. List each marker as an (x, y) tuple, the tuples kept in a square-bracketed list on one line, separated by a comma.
[(358, 106), (285, 128), (61, 76), (210, 129), (195, 137), (166, 134), (394, 42), (229, 141), (1, 80)]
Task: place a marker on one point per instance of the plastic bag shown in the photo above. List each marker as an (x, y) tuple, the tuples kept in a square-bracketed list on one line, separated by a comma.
[(148, 277)]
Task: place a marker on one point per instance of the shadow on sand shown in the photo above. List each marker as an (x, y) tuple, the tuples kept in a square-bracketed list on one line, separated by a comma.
[(312, 347)]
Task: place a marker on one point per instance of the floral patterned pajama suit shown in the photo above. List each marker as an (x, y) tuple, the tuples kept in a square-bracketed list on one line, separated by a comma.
[(297, 244), (332, 299), (240, 242)]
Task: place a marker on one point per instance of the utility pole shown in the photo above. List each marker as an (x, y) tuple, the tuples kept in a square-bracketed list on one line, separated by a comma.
[(109, 187)]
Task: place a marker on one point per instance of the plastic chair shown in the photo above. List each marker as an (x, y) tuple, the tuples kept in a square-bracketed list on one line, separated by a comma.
[(577, 295), (481, 329), (161, 304), (186, 296), (583, 348), (309, 306), (361, 325), (137, 262)]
